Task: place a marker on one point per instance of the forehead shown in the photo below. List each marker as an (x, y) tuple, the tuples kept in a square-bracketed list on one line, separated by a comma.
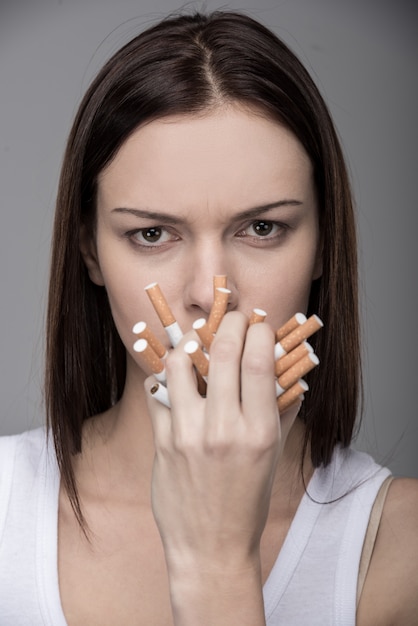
[(228, 155)]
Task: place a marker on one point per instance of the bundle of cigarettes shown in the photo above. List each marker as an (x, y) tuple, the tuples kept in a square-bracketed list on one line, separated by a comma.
[(294, 356)]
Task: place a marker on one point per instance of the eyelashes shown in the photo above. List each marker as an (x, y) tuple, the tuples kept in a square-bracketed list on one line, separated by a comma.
[(259, 232)]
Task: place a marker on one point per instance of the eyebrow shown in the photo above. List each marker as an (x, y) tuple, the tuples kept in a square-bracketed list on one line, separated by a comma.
[(170, 219)]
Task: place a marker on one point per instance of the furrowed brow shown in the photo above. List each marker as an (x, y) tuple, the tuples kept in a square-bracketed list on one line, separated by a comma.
[(166, 218), (263, 208), (150, 215)]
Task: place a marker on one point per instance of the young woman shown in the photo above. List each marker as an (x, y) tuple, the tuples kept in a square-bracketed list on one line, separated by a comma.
[(202, 148)]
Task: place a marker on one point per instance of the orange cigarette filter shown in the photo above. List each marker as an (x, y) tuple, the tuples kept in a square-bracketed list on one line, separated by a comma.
[(160, 304), (298, 370), (203, 331), (257, 316), (302, 332), (219, 280), (200, 360), (290, 359), (294, 322), (144, 332), (219, 308), (292, 395), (149, 356)]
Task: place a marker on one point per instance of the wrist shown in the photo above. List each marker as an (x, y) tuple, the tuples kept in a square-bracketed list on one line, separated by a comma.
[(217, 592)]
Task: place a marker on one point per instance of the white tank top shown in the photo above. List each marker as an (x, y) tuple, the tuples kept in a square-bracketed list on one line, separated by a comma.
[(313, 581)]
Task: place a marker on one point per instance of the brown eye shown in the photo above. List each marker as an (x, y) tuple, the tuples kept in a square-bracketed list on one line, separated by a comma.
[(263, 228), (152, 235)]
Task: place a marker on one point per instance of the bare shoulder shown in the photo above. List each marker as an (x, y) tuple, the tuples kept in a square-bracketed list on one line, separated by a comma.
[(390, 594)]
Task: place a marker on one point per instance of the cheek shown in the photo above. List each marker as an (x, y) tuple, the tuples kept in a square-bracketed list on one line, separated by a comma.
[(284, 288), (128, 301)]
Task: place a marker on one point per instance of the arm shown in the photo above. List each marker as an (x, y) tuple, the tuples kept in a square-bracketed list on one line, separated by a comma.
[(214, 468)]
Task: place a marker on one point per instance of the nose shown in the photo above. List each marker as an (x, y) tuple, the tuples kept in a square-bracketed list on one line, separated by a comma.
[(206, 262)]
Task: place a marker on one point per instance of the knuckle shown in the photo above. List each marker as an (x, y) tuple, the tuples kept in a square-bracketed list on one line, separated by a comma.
[(226, 350), (174, 360), (183, 443), (257, 363)]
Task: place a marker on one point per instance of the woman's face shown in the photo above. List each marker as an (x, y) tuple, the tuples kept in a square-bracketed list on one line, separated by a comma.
[(188, 197)]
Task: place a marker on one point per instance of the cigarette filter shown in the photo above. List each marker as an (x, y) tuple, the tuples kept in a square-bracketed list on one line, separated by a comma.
[(202, 329), (149, 356), (294, 322), (292, 395), (219, 307), (144, 332), (289, 359), (299, 334), (299, 369), (160, 393), (199, 358), (219, 280), (160, 304), (257, 316)]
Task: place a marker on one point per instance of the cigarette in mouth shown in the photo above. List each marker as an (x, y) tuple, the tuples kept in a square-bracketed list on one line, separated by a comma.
[(160, 393), (290, 359), (164, 313), (292, 395), (150, 357), (218, 310), (257, 316), (297, 335), (205, 335), (144, 332), (199, 358), (294, 373)]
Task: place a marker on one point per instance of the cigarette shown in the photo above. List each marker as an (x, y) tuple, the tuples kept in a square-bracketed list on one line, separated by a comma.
[(174, 333), (144, 332), (292, 395), (219, 307), (257, 316), (202, 329), (160, 393), (219, 280), (296, 336), (150, 357), (164, 313), (160, 304), (294, 355), (199, 358), (294, 322), (294, 373)]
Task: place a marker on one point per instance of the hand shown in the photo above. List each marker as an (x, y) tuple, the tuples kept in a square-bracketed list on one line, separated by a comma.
[(215, 457)]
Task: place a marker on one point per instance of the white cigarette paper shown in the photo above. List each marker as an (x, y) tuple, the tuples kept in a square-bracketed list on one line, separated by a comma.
[(160, 393)]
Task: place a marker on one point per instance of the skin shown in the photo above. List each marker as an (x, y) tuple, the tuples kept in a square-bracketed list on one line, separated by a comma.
[(152, 480)]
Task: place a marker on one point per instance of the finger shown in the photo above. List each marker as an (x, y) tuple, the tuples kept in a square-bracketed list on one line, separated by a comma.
[(257, 375), (186, 402), (224, 384)]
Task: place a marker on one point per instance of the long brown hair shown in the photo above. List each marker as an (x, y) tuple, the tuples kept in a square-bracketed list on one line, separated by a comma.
[(186, 64)]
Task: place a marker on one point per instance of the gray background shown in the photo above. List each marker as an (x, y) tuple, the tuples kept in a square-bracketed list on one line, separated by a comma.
[(362, 54)]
